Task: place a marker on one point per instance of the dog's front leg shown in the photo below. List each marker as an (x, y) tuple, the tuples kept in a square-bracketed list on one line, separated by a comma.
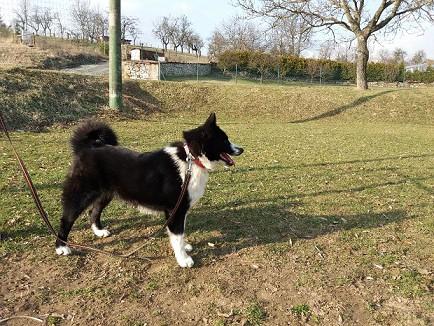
[(176, 230)]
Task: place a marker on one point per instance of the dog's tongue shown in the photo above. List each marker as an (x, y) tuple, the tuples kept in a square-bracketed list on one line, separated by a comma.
[(227, 159)]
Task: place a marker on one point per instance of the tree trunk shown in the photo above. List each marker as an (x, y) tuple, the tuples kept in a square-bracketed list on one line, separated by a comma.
[(362, 62)]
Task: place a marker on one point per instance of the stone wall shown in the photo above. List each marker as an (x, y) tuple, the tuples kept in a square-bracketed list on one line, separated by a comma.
[(146, 69), (143, 69), (169, 69)]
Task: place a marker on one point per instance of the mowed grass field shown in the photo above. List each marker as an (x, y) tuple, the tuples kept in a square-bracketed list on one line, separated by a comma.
[(326, 219)]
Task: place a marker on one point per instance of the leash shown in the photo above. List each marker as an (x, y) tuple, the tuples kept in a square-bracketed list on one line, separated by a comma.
[(47, 222)]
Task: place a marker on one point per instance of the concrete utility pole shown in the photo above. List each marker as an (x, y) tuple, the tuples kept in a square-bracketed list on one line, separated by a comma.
[(115, 57)]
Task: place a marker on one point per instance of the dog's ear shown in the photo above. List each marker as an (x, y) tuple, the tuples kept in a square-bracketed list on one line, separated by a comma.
[(195, 139), (211, 121)]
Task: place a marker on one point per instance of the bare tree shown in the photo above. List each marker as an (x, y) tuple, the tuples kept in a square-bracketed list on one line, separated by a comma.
[(384, 56), (90, 23), (80, 14), (236, 34), (217, 44), (326, 50), (22, 14), (46, 20), (34, 21), (180, 31), (61, 26), (354, 16), (134, 32), (290, 35), (419, 57), (127, 24), (162, 30), (174, 35), (195, 43)]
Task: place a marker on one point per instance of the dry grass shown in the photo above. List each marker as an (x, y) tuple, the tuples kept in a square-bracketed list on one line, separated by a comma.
[(326, 221), (48, 53)]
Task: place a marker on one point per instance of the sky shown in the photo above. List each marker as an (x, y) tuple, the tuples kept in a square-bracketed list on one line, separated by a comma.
[(206, 15)]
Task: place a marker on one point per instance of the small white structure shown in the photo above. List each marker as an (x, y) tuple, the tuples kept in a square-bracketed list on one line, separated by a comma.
[(135, 54), (27, 38), (419, 67)]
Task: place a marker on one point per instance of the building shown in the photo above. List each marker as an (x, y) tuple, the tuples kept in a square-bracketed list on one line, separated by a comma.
[(142, 54), (420, 67)]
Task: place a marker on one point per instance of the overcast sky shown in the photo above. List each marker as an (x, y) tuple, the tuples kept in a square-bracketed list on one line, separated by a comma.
[(207, 14)]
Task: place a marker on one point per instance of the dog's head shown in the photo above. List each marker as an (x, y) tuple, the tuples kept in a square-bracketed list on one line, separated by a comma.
[(210, 142)]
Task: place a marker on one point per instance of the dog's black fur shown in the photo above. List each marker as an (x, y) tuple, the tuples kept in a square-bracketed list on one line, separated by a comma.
[(101, 169)]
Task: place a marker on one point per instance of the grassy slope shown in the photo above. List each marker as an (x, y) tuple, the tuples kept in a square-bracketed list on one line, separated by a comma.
[(35, 99), (48, 53), (325, 220)]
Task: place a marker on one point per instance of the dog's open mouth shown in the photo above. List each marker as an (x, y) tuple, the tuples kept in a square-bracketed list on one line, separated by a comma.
[(225, 157)]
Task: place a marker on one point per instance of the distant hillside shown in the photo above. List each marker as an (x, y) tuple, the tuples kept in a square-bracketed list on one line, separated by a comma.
[(48, 53)]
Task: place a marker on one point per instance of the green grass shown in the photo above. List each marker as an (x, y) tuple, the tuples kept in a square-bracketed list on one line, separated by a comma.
[(255, 314), (300, 310), (335, 210)]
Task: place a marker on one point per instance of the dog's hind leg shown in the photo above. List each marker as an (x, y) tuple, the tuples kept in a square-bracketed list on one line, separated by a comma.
[(75, 201), (176, 230), (95, 215)]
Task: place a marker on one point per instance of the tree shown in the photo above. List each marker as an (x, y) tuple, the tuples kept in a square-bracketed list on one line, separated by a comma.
[(134, 33), (195, 43), (290, 35), (80, 14), (162, 30), (236, 34), (326, 50), (128, 24), (184, 31), (60, 24), (46, 20), (22, 14), (398, 56), (356, 17), (312, 67), (35, 20), (174, 35), (419, 57), (262, 62)]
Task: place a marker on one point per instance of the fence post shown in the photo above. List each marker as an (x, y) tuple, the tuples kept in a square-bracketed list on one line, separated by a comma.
[(197, 69), (115, 58), (278, 73), (236, 73), (320, 75)]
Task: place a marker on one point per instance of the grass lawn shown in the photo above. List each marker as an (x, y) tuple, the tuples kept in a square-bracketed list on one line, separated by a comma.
[(326, 219)]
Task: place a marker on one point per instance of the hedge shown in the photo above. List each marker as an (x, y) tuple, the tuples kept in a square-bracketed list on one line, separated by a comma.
[(304, 68), (421, 76)]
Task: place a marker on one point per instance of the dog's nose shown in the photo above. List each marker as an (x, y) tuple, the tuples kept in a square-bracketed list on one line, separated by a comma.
[(239, 151)]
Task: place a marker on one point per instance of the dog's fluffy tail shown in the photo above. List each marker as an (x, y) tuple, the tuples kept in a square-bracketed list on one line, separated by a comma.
[(91, 134)]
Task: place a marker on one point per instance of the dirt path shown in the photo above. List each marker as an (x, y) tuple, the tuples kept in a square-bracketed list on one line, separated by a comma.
[(99, 69)]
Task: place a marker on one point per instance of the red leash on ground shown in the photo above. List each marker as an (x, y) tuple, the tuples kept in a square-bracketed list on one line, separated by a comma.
[(47, 222)]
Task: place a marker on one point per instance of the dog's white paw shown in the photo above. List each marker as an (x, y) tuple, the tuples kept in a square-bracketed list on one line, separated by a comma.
[(187, 261), (101, 233), (63, 250), (188, 247)]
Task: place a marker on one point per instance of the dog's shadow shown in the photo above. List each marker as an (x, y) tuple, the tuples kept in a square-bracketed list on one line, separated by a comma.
[(231, 229)]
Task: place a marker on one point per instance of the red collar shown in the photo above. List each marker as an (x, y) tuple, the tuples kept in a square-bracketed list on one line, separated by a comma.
[(195, 160), (199, 163)]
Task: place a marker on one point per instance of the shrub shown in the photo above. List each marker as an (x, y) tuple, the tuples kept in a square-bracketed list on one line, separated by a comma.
[(258, 63)]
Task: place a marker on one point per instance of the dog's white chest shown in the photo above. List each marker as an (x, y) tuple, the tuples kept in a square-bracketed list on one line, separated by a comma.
[(199, 176), (197, 185)]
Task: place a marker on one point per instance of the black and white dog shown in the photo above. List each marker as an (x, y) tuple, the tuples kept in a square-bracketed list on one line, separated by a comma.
[(151, 180)]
